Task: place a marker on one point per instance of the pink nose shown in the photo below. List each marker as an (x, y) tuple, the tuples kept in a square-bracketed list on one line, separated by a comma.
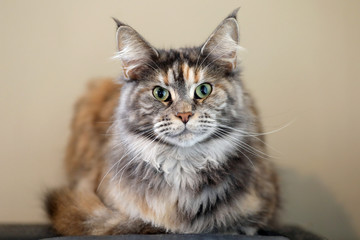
[(184, 116)]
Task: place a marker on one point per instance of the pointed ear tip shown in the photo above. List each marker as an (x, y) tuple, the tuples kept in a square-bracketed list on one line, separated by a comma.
[(233, 14), (118, 23)]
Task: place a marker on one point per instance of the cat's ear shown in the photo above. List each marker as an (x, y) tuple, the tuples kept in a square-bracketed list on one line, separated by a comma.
[(223, 43), (134, 51)]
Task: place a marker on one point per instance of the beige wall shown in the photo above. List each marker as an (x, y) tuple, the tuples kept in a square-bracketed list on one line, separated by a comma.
[(302, 64)]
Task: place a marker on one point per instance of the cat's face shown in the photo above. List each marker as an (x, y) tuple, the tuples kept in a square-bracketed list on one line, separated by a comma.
[(188, 111), (181, 97)]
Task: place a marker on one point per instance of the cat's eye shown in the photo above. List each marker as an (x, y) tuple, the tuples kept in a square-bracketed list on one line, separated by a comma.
[(161, 94), (203, 90)]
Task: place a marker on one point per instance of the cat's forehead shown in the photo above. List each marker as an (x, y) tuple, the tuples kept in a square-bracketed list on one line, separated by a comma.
[(181, 74), (180, 66), (167, 58)]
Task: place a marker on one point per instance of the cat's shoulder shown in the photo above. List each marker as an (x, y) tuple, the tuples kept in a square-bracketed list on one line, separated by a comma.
[(98, 102), (92, 117)]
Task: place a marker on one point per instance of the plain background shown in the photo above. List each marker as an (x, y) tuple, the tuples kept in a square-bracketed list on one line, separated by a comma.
[(301, 64)]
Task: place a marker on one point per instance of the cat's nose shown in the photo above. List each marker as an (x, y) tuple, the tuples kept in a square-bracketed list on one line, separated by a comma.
[(184, 116)]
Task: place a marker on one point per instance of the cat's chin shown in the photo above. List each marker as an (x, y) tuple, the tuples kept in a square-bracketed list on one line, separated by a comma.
[(186, 139)]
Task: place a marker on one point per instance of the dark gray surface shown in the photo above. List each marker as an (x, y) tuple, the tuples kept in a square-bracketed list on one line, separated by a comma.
[(25, 231), (38, 231), (173, 237)]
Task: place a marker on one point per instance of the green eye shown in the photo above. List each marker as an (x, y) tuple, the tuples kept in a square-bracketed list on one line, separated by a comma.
[(161, 94), (203, 90)]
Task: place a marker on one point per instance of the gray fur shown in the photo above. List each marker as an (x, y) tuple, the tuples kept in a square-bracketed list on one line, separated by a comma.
[(216, 172)]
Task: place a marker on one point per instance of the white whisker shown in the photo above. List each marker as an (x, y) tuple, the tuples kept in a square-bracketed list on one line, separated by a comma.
[(121, 143), (240, 152)]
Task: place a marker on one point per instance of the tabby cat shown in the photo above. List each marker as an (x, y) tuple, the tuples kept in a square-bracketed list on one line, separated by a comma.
[(176, 147)]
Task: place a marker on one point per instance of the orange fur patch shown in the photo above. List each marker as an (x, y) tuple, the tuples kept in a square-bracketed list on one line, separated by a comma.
[(185, 70), (197, 76)]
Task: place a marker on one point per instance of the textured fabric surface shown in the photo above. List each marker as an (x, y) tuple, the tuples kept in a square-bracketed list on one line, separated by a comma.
[(174, 237), (25, 231), (32, 232)]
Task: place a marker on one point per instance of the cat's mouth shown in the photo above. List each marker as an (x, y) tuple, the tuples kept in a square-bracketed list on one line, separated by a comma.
[(186, 131), (182, 135), (186, 138)]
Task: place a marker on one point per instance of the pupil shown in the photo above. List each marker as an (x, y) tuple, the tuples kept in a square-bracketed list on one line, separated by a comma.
[(160, 93), (204, 90)]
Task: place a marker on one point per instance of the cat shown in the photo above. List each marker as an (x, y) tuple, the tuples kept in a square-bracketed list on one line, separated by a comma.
[(175, 147)]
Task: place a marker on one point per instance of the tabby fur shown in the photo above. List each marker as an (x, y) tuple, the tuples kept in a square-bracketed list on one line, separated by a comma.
[(134, 165)]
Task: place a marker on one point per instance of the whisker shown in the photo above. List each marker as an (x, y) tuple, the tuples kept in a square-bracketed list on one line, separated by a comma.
[(116, 163), (129, 162), (209, 64), (212, 50), (255, 133), (149, 126), (148, 161), (246, 147), (241, 153), (155, 64)]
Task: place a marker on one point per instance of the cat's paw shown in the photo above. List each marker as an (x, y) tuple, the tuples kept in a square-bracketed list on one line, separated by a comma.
[(249, 231)]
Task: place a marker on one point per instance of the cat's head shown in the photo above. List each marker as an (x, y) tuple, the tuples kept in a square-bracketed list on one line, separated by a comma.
[(180, 97)]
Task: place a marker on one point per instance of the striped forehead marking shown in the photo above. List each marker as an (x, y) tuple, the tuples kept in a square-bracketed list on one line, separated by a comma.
[(163, 78), (170, 76), (176, 69), (185, 70), (190, 75)]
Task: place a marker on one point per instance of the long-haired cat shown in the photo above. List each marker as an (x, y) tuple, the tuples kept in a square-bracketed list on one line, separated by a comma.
[(176, 147)]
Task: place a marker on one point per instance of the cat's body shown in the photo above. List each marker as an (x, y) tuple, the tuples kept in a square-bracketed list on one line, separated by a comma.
[(179, 150)]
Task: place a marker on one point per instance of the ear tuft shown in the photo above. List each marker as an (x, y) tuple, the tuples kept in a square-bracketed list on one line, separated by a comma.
[(223, 43), (134, 51)]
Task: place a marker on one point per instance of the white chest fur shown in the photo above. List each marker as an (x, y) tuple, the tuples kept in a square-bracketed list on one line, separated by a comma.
[(180, 165)]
